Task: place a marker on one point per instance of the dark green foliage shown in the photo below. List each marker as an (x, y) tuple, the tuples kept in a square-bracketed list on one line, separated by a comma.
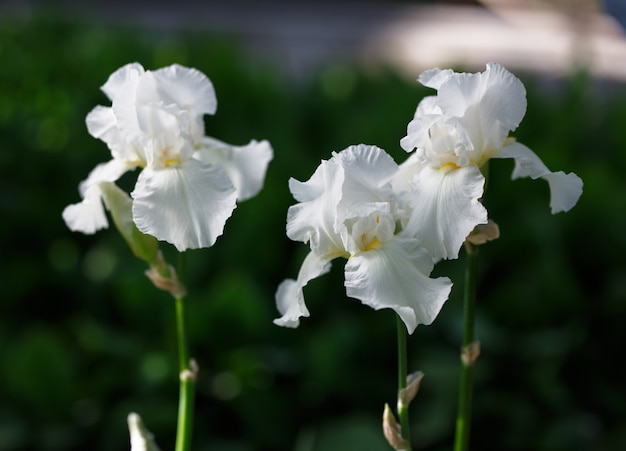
[(85, 338)]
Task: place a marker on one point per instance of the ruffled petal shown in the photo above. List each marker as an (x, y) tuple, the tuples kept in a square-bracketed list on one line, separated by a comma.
[(565, 189), (87, 216), (433, 78), (187, 87), (313, 219), (426, 114), (246, 165), (290, 297), (488, 105), (446, 208), (185, 205), (500, 97), (118, 79), (395, 275), (368, 172), (102, 124)]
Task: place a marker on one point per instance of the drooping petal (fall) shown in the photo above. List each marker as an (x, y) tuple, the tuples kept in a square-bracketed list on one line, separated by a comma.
[(246, 165), (289, 295), (395, 275), (186, 205), (87, 216), (446, 208), (565, 189)]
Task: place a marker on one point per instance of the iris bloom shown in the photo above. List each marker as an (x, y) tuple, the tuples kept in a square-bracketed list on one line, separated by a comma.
[(348, 209), (189, 183), (454, 134)]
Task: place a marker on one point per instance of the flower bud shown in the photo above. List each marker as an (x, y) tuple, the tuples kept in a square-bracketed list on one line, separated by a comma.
[(484, 232), (470, 353), (406, 395), (392, 432), (141, 439)]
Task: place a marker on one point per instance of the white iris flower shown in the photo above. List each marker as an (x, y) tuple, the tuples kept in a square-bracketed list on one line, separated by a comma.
[(189, 183), (454, 134), (348, 209)]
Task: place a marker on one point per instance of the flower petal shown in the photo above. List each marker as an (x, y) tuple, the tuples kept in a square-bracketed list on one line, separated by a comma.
[(495, 96), (187, 87), (87, 216), (185, 205), (313, 219), (565, 189), (110, 171), (120, 78), (433, 78), (290, 297), (426, 114), (246, 165), (395, 275), (102, 124), (446, 208), (368, 171)]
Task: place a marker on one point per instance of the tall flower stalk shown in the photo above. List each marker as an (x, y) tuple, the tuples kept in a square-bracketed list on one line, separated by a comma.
[(349, 208), (469, 352), (402, 407), (452, 137), (187, 373), (187, 187)]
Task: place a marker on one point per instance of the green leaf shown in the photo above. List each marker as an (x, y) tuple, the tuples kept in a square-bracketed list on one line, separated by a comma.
[(146, 247)]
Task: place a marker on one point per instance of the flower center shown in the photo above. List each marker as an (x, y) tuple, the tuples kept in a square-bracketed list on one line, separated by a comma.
[(373, 244)]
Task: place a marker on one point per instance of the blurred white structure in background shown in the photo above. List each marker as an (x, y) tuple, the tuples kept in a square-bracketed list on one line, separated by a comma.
[(553, 37), (549, 36)]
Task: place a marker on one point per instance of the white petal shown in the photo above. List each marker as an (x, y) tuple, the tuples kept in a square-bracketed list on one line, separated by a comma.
[(395, 275), (186, 205), (500, 94), (433, 78), (188, 88), (290, 297), (313, 219), (87, 216), (565, 189), (446, 208), (406, 171), (490, 104), (101, 122), (246, 165), (120, 77), (124, 108), (368, 173), (110, 171), (368, 166)]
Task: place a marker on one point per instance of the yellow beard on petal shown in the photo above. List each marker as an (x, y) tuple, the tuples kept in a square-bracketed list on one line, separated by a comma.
[(372, 244), (449, 167)]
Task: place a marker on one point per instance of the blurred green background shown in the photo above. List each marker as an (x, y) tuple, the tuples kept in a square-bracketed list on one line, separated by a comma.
[(85, 338)]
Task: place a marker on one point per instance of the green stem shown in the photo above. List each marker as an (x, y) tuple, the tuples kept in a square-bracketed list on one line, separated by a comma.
[(463, 420), (187, 377), (403, 410)]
